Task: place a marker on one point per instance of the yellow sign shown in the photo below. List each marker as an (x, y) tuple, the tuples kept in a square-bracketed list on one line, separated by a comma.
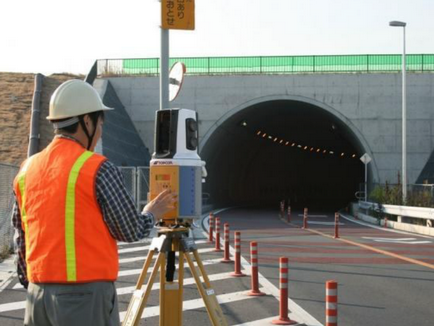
[(177, 14)]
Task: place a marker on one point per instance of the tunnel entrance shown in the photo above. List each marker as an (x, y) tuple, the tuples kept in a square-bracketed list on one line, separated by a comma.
[(283, 149)]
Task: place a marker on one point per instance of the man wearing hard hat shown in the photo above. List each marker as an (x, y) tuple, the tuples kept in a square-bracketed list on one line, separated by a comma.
[(72, 206)]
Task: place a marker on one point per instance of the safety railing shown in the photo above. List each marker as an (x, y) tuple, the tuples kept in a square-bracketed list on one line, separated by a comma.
[(7, 175), (137, 182), (369, 63)]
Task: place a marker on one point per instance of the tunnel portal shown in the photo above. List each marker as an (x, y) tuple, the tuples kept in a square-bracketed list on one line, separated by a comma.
[(283, 149)]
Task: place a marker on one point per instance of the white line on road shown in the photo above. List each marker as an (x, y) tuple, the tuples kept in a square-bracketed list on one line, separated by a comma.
[(309, 215), (298, 313), (141, 248), (195, 304), (133, 259), (120, 291), (187, 281), (397, 240), (138, 271), (324, 223)]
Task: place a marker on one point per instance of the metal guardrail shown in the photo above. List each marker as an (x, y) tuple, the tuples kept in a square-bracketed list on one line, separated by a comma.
[(407, 211), (365, 63)]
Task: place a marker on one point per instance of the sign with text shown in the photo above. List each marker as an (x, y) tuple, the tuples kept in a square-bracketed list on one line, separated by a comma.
[(177, 14)]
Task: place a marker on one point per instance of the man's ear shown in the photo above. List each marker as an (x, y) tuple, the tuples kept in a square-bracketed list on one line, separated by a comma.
[(87, 120)]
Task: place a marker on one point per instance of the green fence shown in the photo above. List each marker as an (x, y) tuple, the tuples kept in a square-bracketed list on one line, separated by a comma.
[(273, 65)]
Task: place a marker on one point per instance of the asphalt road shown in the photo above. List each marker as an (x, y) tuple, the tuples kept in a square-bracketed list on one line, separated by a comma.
[(384, 277)]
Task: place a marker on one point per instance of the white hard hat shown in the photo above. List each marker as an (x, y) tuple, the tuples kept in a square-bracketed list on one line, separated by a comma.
[(73, 98)]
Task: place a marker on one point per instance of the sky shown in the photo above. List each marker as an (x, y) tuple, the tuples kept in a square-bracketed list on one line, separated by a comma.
[(55, 36)]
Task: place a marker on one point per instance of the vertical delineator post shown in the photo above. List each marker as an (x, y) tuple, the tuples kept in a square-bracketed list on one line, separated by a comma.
[(289, 214), (331, 303), (237, 272), (305, 219), (255, 273), (283, 318), (226, 257), (211, 228), (336, 226), (217, 235)]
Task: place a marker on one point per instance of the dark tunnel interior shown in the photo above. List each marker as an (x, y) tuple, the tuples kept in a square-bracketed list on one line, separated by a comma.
[(283, 150)]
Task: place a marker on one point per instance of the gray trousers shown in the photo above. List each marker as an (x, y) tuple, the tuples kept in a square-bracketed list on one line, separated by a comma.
[(88, 304)]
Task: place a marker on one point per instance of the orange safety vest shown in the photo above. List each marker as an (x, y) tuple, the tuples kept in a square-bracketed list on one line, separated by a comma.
[(66, 237)]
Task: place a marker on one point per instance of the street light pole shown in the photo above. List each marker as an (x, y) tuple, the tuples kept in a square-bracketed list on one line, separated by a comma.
[(404, 113)]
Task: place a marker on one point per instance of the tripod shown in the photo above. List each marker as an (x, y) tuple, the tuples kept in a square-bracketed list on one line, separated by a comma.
[(169, 242)]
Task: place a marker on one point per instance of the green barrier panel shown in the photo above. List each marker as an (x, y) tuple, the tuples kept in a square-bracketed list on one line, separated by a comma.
[(279, 64)]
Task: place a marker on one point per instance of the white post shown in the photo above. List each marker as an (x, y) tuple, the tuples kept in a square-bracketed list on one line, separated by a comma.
[(164, 69), (404, 114), (366, 181), (404, 125)]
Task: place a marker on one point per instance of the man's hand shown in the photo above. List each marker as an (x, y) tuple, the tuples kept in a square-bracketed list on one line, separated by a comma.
[(161, 204), (22, 278)]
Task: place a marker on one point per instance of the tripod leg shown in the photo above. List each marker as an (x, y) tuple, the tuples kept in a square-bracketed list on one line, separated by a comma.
[(145, 268), (207, 293), (171, 293), (140, 297)]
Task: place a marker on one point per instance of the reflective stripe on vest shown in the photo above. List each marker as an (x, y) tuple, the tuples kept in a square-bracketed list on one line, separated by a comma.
[(71, 262)]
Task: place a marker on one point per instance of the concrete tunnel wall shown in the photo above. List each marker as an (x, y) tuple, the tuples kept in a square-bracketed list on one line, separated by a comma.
[(367, 105)]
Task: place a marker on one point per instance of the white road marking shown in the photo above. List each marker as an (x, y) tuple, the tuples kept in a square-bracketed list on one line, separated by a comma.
[(187, 281), (120, 291), (138, 271), (323, 223), (309, 215), (195, 304), (397, 240), (298, 313), (133, 259)]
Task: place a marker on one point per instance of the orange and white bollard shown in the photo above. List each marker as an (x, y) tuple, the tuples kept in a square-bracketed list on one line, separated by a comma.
[(289, 214), (336, 226), (331, 303), (282, 208), (217, 235), (283, 306), (305, 219), (255, 273), (211, 228), (237, 272), (226, 257)]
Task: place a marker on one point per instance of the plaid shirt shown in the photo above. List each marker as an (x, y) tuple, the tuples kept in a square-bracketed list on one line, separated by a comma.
[(118, 210)]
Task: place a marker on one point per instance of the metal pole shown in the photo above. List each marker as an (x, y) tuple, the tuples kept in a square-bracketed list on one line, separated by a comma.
[(366, 181), (164, 69), (404, 126)]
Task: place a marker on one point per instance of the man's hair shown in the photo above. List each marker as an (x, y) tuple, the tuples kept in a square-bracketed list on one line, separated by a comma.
[(73, 128)]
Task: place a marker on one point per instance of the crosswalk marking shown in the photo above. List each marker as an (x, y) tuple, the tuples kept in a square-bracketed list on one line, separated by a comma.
[(142, 248), (133, 259), (187, 281), (120, 291), (187, 305), (138, 271), (196, 304)]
